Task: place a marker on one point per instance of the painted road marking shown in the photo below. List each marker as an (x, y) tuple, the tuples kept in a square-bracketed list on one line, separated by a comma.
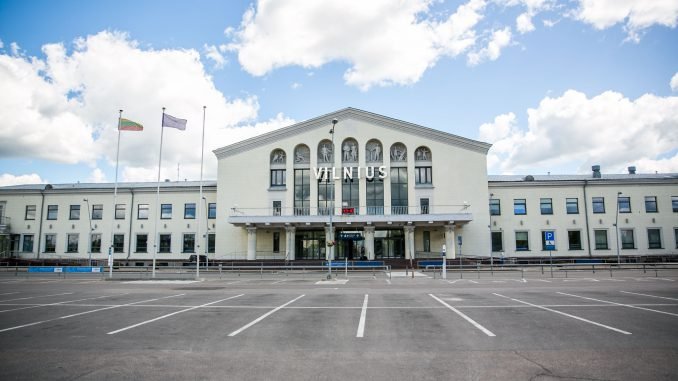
[(264, 316), (9, 293), (33, 297), (653, 296), (566, 314), (620, 304), (543, 280), (280, 281), (468, 319), (473, 281), (84, 313), (56, 304), (363, 314), (170, 314)]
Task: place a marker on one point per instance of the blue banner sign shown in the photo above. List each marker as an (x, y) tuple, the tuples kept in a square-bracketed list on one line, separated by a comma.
[(65, 269)]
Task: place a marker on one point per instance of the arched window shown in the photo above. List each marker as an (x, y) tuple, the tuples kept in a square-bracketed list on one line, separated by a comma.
[(325, 152), (349, 151), (398, 153), (374, 152), (278, 171), (302, 178), (302, 154), (423, 170)]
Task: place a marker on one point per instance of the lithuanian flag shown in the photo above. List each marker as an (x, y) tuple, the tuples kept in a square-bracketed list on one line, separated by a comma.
[(128, 125)]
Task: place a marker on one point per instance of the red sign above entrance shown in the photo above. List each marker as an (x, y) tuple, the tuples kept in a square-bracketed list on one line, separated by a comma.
[(347, 210)]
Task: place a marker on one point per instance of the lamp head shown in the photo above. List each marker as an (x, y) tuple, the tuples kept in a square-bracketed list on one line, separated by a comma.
[(335, 121)]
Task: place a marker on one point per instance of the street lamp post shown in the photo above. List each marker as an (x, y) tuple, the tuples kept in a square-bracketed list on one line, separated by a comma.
[(89, 238), (330, 248), (490, 226), (616, 228)]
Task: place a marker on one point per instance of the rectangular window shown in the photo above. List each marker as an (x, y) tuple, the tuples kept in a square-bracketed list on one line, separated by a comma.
[(97, 211), (495, 207), (120, 211), (96, 243), (189, 211), (572, 205), (627, 241), (74, 214), (546, 206), (212, 210), (277, 208), (654, 238), (165, 211), (211, 243), (302, 192), (350, 193), (52, 212), (399, 198), (118, 243), (189, 243), (423, 175), (601, 239), (276, 242), (427, 241), (165, 243), (325, 195), (278, 177), (598, 204), (574, 239), (497, 242), (651, 204), (424, 205), (519, 206), (50, 243), (375, 196), (624, 204), (142, 212), (522, 242), (28, 243), (142, 243), (674, 204), (72, 244), (30, 212)]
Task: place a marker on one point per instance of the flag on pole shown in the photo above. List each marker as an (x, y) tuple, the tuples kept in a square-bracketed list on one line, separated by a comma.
[(172, 122), (128, 125)]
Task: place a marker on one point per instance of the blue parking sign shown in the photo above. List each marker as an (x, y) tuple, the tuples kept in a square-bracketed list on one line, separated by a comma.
[(549, 240)]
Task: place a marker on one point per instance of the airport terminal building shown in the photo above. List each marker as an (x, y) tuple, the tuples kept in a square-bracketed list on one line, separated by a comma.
[(367, 187)]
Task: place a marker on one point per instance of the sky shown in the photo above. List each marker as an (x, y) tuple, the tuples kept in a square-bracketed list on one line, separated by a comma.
[(555, 86)]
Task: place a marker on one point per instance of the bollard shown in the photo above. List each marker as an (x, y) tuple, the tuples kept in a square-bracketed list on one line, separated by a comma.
[(610, 271), (644, 271), (219, 270), (478, 269)]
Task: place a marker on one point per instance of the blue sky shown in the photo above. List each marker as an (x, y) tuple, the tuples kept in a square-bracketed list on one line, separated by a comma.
[(555, 85)]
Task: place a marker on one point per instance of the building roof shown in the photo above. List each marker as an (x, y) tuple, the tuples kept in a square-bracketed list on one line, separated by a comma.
[(111, 186), (604, 177), (325, 121)]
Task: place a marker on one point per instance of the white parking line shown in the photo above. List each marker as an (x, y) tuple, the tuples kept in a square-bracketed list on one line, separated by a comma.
[(170, 314), (84, 313), (620, 304), (361, 324), (468, 319), (473, 281), (33, 297), (9, 293), (453, 281), (264, 316), (653, 296), (668, 280), (566, 314), (56, 304), (542, 280), (280, 281)]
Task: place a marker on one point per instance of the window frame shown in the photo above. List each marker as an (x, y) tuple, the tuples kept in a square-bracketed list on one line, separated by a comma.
[(653, 200), (163, 210), (674, 204), (595, 239), (146, 209), (276, 242), (211, 243), (33, 211), (625, 245), (188, 206), (97, 208), (76, 244), (600, 202), (136, 243), (546, 206), (74, 213), (650, 243), (517, 203), (165, 247), (500, 233), (52, 241), (184, 249), (118, 247), (278, 178), (120, 208), (570, 244), (572, 201), (52, 212), (427, 178), (626, 200), (92, 248), (498, 207), (527, 240), (23, 243), (211, 210)]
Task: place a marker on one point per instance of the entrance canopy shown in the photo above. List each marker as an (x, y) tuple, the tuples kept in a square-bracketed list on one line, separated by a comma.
[(391, 220)]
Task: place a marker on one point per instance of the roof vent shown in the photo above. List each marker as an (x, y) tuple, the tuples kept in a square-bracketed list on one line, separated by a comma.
[(596, 171), (529, 178), (632, 170), (167, 180), (49, 187)]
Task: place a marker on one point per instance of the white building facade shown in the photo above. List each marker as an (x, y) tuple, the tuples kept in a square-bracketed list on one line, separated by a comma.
[(348, 185)]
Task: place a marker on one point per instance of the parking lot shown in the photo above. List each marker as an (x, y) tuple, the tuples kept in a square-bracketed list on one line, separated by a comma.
[(287, 327)]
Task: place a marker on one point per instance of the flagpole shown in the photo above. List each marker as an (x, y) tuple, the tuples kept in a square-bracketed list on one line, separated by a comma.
[(198, 238), (157, 196), (115, 197)]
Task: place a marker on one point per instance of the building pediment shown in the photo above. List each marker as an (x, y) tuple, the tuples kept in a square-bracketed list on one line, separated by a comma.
[(325, 121)]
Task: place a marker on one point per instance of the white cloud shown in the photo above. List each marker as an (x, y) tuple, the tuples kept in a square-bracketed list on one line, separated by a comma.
[(524, 23), (212, 52), (64, 107), (636, 15), (7, 179), (384, 42), (97, 176), (15, 49), (498, 40), (674, 82), (295, 85), (572, 132)]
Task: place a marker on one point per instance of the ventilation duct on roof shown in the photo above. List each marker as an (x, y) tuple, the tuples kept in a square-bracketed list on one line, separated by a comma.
[(596, 171), (529, 178), (632, 170)]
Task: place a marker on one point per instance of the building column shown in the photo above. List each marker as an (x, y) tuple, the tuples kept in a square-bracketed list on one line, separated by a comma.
[(449, 242), (251, 243), (329, 253), (369, 242), (290, 232), (409, 242)]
